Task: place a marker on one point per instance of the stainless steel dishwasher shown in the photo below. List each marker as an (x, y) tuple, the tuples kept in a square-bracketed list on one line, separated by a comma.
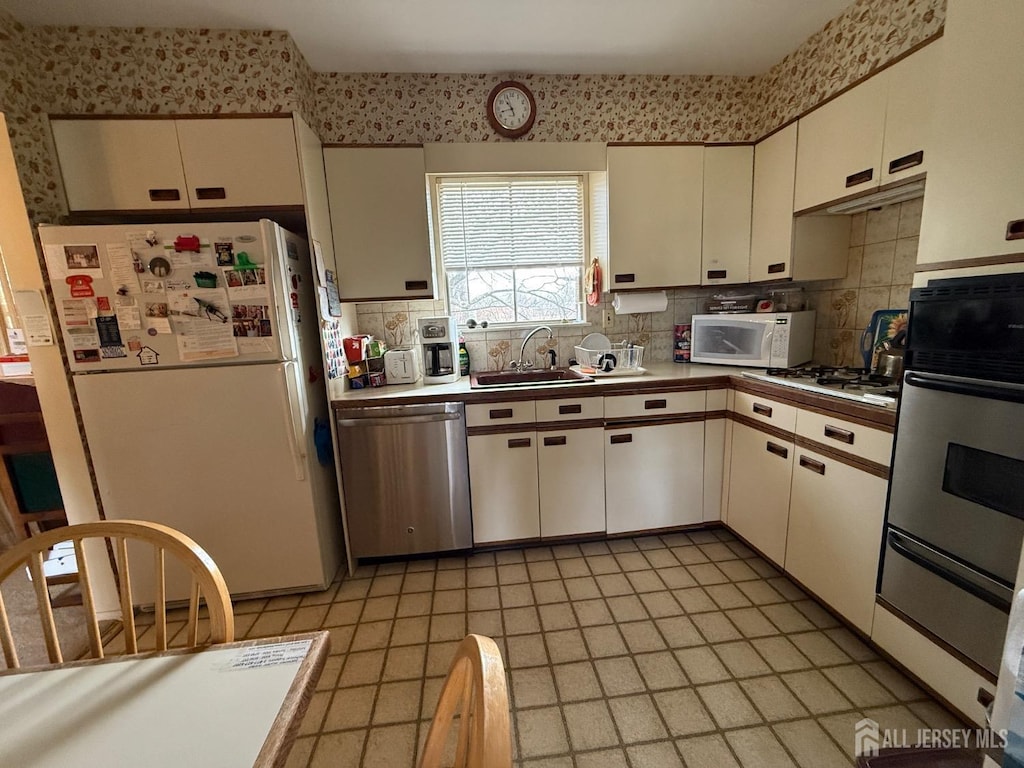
[(405, 471)]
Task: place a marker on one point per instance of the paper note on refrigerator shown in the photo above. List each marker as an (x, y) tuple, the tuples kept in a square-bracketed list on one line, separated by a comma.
[(126, 310), (123, 277), (78, 312), (200, 339)]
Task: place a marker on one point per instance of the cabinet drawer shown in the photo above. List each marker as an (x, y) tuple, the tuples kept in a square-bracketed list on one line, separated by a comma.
[(766, 410), (570, 409), (654, 405), (866, 442), (496, 414)]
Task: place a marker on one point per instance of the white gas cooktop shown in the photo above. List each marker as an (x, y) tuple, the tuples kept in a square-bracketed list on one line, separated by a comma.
[(844, 383)]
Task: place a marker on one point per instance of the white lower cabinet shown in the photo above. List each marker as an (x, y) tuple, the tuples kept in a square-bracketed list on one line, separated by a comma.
[(571, 470), (503, 486), (835, 532), (654, 476), (761, 467)]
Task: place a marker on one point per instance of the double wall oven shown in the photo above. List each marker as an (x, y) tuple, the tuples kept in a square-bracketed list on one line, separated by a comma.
[(955, 518)]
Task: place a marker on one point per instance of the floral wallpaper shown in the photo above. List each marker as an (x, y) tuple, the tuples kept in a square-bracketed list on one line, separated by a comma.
[(413, 108)]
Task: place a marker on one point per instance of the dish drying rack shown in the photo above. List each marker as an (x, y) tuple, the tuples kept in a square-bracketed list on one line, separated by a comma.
[(621, 357)]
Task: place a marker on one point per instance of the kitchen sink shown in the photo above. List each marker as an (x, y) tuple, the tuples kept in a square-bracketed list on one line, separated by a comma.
[(527, 378)]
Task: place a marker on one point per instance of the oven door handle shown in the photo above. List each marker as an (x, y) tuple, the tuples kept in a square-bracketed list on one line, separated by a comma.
[(995, 600), (958, 387)]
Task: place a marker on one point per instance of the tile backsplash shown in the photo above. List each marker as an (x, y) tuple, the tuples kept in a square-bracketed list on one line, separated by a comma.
[(883, 251)]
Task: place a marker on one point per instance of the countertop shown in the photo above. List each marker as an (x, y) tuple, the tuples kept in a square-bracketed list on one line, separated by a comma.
[(660, 376), (663, 377)]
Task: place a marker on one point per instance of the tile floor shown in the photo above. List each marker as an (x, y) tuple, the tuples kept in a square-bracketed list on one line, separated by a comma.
[(656, 652)]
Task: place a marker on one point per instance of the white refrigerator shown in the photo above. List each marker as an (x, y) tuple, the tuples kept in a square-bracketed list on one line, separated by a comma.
[(195, 354)]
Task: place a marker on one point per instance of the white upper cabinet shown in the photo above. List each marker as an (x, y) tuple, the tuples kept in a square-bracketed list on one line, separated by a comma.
[(120, 165), (378, 199), (140, 165), (771, 238), (728, 190), (974, 205), (655, 198), (840, 149), (781, 246), (240, 163), (906, 148)]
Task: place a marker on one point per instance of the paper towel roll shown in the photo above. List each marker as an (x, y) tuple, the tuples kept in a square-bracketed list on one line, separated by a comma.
[(632, 303)]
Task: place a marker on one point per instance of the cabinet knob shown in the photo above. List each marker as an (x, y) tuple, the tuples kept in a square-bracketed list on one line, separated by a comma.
[(164, 195), (416, 285), (860, 177), (774, 269), (907, 161), (558, 440), (762, 410), (520, 442), (573, 408), (1015, 230), (812, 464), (619, 439), (627, 277), (211, 193), (651, 405), (842, 435), (717, 274), (777, 449), (500, 413)]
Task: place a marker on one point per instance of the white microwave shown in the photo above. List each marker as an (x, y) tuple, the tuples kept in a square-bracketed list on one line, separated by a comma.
[(755, 340)]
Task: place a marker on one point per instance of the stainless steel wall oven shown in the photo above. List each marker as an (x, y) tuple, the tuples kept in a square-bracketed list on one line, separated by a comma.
[(955, 517)]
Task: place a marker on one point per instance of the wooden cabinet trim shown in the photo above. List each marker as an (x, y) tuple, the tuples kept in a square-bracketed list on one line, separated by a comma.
[(981, 261), (760, 426), (559, 426), (866, 415), (629, 422), (501, 429)]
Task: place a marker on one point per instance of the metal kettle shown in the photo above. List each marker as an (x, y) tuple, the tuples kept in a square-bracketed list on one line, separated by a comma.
[(890, 357)]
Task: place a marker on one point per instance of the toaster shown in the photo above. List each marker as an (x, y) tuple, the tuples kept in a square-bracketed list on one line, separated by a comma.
[(401, 366)]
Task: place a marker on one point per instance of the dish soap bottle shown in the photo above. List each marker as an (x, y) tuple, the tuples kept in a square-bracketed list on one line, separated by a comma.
[(463, 358)]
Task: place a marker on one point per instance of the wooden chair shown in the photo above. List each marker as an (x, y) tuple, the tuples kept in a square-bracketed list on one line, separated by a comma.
[(476, 688), (207, 583)]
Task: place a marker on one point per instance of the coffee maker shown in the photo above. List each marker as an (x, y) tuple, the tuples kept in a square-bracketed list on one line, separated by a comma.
[(439, 342)]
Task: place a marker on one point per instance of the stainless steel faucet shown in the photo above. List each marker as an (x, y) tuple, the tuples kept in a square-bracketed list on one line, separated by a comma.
[(520, 364)]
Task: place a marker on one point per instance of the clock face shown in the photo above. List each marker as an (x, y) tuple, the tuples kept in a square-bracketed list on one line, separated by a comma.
[(511, 109)]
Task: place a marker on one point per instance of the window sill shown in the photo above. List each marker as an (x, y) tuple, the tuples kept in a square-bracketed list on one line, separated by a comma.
[(499, 327)]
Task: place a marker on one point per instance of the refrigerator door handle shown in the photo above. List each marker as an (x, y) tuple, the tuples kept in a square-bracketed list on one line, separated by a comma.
[(290, 398)]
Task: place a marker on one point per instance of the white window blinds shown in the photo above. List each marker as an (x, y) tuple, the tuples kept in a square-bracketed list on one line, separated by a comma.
[(509, 223)]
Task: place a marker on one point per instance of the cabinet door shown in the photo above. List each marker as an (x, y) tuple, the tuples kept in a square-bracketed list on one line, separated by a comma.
[(654, 216), (760, 472), (835, 532), (728, 190), (379, 218), (120, 165), (975, 197), (240, 162), (906, 149), (571, 466), (314, 190), (839, 152), (771, 237), (503, 486), (654, 476)]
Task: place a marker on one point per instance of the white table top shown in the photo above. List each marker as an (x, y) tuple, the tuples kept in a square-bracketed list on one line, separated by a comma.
[(218, 706)]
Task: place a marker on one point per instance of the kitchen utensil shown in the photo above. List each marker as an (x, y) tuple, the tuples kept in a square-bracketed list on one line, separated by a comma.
[(597, 342), (889, 361), (878, 330)]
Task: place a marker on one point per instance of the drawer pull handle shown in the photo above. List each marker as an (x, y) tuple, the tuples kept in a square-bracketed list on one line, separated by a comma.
[(762, 410), (211, 193), (415, 285), (776, 268), (813, 465), (500, 413), (626, 277), (164, 195), (842, 435), (574, 408), (717, 274), (559, 440), (650, 405), (520, 442), (777, 449), (1015, 230), (860, 177), (617, 439), (907, 161)]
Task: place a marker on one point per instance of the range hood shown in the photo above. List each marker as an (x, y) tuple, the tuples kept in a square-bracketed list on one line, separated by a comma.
[(877, 199)]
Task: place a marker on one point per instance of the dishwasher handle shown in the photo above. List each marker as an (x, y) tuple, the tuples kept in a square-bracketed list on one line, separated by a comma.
[(394, 421)]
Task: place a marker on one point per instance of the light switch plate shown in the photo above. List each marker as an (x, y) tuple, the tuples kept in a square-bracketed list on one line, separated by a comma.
[(607, 318)]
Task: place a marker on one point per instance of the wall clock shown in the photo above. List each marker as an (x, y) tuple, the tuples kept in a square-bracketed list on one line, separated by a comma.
[(511, 109)]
